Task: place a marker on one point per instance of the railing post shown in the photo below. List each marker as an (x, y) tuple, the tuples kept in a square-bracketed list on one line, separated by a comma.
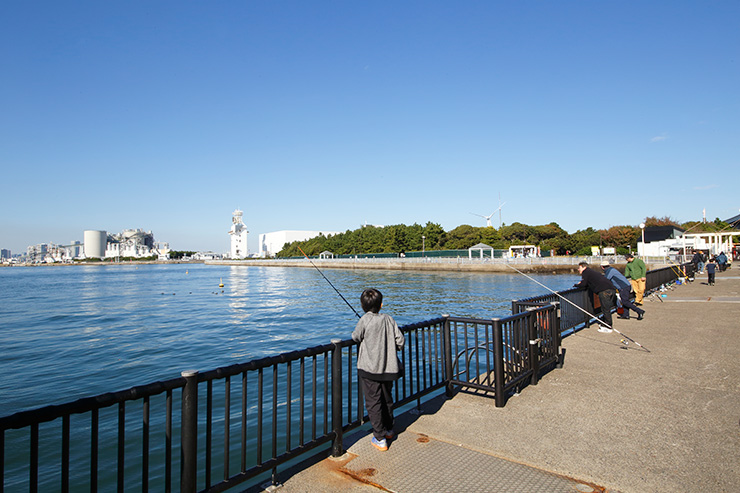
[(498, 363), (557, 334), (189, 433), (534, 344), (336, 398), (447, 348)]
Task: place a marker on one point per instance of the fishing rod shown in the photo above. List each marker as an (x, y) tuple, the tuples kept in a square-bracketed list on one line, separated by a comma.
[(676, 268), (591, 316), (330, 284)]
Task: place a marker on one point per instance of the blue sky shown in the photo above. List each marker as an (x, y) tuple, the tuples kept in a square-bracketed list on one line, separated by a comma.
[(168, 115)]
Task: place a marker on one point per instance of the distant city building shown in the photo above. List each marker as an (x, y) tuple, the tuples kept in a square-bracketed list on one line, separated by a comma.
[(36, 253), (206, 256), (272, 243), (134, 243), (75, 249), (238, 233), (48, 253), (5, 254)]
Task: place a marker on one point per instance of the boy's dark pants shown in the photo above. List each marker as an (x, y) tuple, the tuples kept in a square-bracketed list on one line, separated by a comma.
[(379, 405)]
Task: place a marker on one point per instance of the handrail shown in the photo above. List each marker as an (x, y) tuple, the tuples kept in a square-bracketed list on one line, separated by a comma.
[(281, 397), (656, 278), (271, 378), (86, 404)]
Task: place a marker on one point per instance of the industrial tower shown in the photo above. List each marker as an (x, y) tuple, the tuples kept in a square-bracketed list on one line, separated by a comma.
[(238, 234)]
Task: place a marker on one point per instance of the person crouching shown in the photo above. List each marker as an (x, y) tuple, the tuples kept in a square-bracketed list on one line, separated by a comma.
[(623, 287)]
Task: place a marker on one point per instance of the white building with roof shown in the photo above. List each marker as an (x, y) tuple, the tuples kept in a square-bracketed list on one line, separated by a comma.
[(272, 243), (713, 243)]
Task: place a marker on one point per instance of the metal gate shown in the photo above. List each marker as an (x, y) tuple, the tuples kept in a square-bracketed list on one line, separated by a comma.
[(502, 355)]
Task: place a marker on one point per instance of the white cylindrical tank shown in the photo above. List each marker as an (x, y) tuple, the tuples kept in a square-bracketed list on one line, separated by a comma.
[(95, 243)]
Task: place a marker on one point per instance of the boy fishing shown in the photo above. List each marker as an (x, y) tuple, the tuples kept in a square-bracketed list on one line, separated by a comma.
[(377, 364)]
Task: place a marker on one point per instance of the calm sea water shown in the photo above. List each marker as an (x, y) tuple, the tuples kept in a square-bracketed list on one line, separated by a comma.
[(76, 331)]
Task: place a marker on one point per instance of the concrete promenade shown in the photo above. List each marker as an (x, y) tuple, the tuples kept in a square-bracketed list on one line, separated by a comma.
[(615, 418)]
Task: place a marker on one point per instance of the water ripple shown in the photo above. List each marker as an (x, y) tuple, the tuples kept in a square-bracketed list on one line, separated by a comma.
[(84, 330)]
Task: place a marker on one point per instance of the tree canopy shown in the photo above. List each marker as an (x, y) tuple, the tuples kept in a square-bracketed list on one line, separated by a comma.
[(549, 237)]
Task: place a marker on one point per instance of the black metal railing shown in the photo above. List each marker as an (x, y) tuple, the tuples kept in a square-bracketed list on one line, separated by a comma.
[(666, 275), (230, 424), (502, 355), (572, 303), (577, 309), (62, 465), (238, 422), (235, 423)]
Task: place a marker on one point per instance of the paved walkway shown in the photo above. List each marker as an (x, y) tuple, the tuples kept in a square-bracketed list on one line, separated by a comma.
[(615, 418)]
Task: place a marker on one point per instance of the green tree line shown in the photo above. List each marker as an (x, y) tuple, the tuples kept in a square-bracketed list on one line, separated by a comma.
[(178, 254), (549, 237)]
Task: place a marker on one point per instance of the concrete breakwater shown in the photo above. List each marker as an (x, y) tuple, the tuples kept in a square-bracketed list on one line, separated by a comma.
[(544, 265)]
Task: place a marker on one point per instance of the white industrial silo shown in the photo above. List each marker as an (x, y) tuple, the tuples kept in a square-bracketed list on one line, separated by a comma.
[(95, 242)]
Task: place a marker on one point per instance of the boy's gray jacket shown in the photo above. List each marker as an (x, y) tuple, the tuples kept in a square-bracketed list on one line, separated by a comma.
[(379, 338)]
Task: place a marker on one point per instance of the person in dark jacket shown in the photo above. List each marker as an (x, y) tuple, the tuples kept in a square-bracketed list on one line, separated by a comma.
[(623, 287), (722, 261), (711, 269), (603, 288), (696, 260), (377, 364)]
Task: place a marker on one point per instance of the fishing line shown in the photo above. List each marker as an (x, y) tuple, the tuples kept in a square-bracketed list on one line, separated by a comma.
[(330, 284), (591, 316)]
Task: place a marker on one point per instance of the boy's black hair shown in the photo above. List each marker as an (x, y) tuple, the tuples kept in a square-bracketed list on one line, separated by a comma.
[(371, 300)]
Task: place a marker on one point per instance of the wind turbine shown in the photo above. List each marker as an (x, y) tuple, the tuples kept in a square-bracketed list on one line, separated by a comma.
[(488, 217)]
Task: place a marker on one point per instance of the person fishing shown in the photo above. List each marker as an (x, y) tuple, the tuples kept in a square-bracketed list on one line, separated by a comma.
[(636, 272), (377, 364), (623, 287), (625, 338), (603, 288)]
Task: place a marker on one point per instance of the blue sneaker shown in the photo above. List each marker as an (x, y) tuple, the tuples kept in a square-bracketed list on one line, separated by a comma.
[(379, 444), (390, 435)]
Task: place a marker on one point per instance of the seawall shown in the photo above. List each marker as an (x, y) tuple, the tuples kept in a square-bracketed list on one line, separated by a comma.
[(544, 265)]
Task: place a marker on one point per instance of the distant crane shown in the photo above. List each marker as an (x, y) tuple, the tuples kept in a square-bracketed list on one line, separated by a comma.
[(488, 217)]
